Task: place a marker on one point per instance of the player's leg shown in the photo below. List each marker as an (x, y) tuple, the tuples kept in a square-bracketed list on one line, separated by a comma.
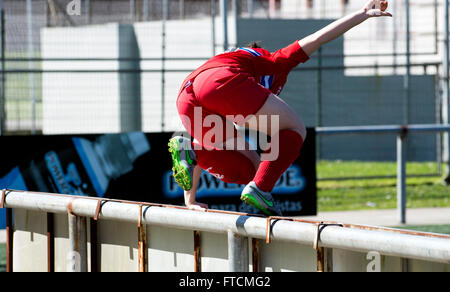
[(239, 98), (288, 138), (209, 151), (287, 118), (228, 165)]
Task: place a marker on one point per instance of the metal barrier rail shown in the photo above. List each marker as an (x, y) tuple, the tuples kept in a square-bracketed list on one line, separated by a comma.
[(402, 134), (322, 236)]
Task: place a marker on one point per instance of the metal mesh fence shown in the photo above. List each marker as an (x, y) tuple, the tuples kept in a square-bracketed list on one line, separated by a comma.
[(88, 64), (118, 66)]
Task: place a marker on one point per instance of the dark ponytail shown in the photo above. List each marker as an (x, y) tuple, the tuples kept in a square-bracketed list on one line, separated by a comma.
[(254, 45)]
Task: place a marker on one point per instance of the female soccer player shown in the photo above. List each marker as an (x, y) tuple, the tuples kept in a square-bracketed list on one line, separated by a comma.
[(230, 88)]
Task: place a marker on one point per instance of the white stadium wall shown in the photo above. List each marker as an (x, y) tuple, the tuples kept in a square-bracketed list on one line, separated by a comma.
[(114, 102), (84, 102)]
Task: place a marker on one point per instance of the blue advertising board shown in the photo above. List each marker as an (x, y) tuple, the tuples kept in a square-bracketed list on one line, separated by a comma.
[(137, 167)]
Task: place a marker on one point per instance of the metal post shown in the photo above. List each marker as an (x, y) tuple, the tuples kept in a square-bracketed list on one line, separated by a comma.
[(31, 65), (142, 244), (77, 239), (401, 176), (438, 109), (404, 265), (394, 38), (163, 64), (146, 10), (213, 26), (237, 252), (255, 255), (436, 27), (132, 10), (446, 95), (181, 7), (197, 253), (324, 259), (319, 102), (235, 10), (329, 259), (272, 8), (50, 243), (2, 68), (250, 8), (320, 259), (94, 251), (224, 12), (9, 240), (407, 81), (87, 10)]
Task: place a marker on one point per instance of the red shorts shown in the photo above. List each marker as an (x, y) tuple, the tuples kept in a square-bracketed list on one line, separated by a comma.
[(219, 96)]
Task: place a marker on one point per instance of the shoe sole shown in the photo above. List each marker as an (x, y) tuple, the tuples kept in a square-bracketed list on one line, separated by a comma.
[(249, 199), (180, 172)]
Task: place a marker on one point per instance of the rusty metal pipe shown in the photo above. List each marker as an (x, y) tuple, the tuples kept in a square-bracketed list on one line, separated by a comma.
[(197, 254), (78, 249), (237, 252), (50, 243), (389, 243), (142, 243), (255, 255), (94, 252), (329, 259), (9, 240), (320, 259)]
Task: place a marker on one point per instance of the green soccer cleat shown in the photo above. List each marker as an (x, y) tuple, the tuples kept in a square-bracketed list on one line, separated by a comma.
[(262, 201), (184, 161)]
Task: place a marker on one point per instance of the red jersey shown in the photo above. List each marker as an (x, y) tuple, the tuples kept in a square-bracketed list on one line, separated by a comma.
[(271, 69)]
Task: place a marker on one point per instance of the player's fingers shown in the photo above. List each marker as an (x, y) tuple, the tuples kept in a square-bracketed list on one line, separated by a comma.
[(198, 207), (386, 14)]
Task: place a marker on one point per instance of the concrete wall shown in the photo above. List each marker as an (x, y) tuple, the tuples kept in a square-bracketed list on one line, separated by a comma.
[(183, 39), (172, 250), (90, 102)]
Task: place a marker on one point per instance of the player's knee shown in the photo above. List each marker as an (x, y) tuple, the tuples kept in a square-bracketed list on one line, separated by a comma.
[(294, 123), (300, 129)]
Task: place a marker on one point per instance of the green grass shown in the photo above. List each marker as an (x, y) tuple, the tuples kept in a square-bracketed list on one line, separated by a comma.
[(366, 194), (2, 257), (17, 89), (441, 229)]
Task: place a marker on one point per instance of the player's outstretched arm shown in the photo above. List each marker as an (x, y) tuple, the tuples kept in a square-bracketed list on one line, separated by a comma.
[(189, 196), (373, 8)]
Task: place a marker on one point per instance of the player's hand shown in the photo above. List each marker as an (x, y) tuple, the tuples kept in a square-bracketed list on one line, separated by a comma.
[(197, 206), (376, 8)]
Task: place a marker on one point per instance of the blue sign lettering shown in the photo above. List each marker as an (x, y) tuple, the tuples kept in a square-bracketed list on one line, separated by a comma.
[(291, 182)]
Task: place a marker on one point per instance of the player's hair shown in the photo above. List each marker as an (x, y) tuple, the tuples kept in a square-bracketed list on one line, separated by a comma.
[(254, 45)]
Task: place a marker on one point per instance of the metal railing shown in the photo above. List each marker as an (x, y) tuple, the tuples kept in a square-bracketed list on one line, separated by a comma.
[(239, 227), (402, 135)]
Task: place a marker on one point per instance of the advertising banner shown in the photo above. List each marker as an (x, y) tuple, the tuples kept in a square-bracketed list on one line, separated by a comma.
[(136, 167)]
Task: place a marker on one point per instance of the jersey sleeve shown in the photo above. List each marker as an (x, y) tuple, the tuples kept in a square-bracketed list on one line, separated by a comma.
[(290, 56)]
